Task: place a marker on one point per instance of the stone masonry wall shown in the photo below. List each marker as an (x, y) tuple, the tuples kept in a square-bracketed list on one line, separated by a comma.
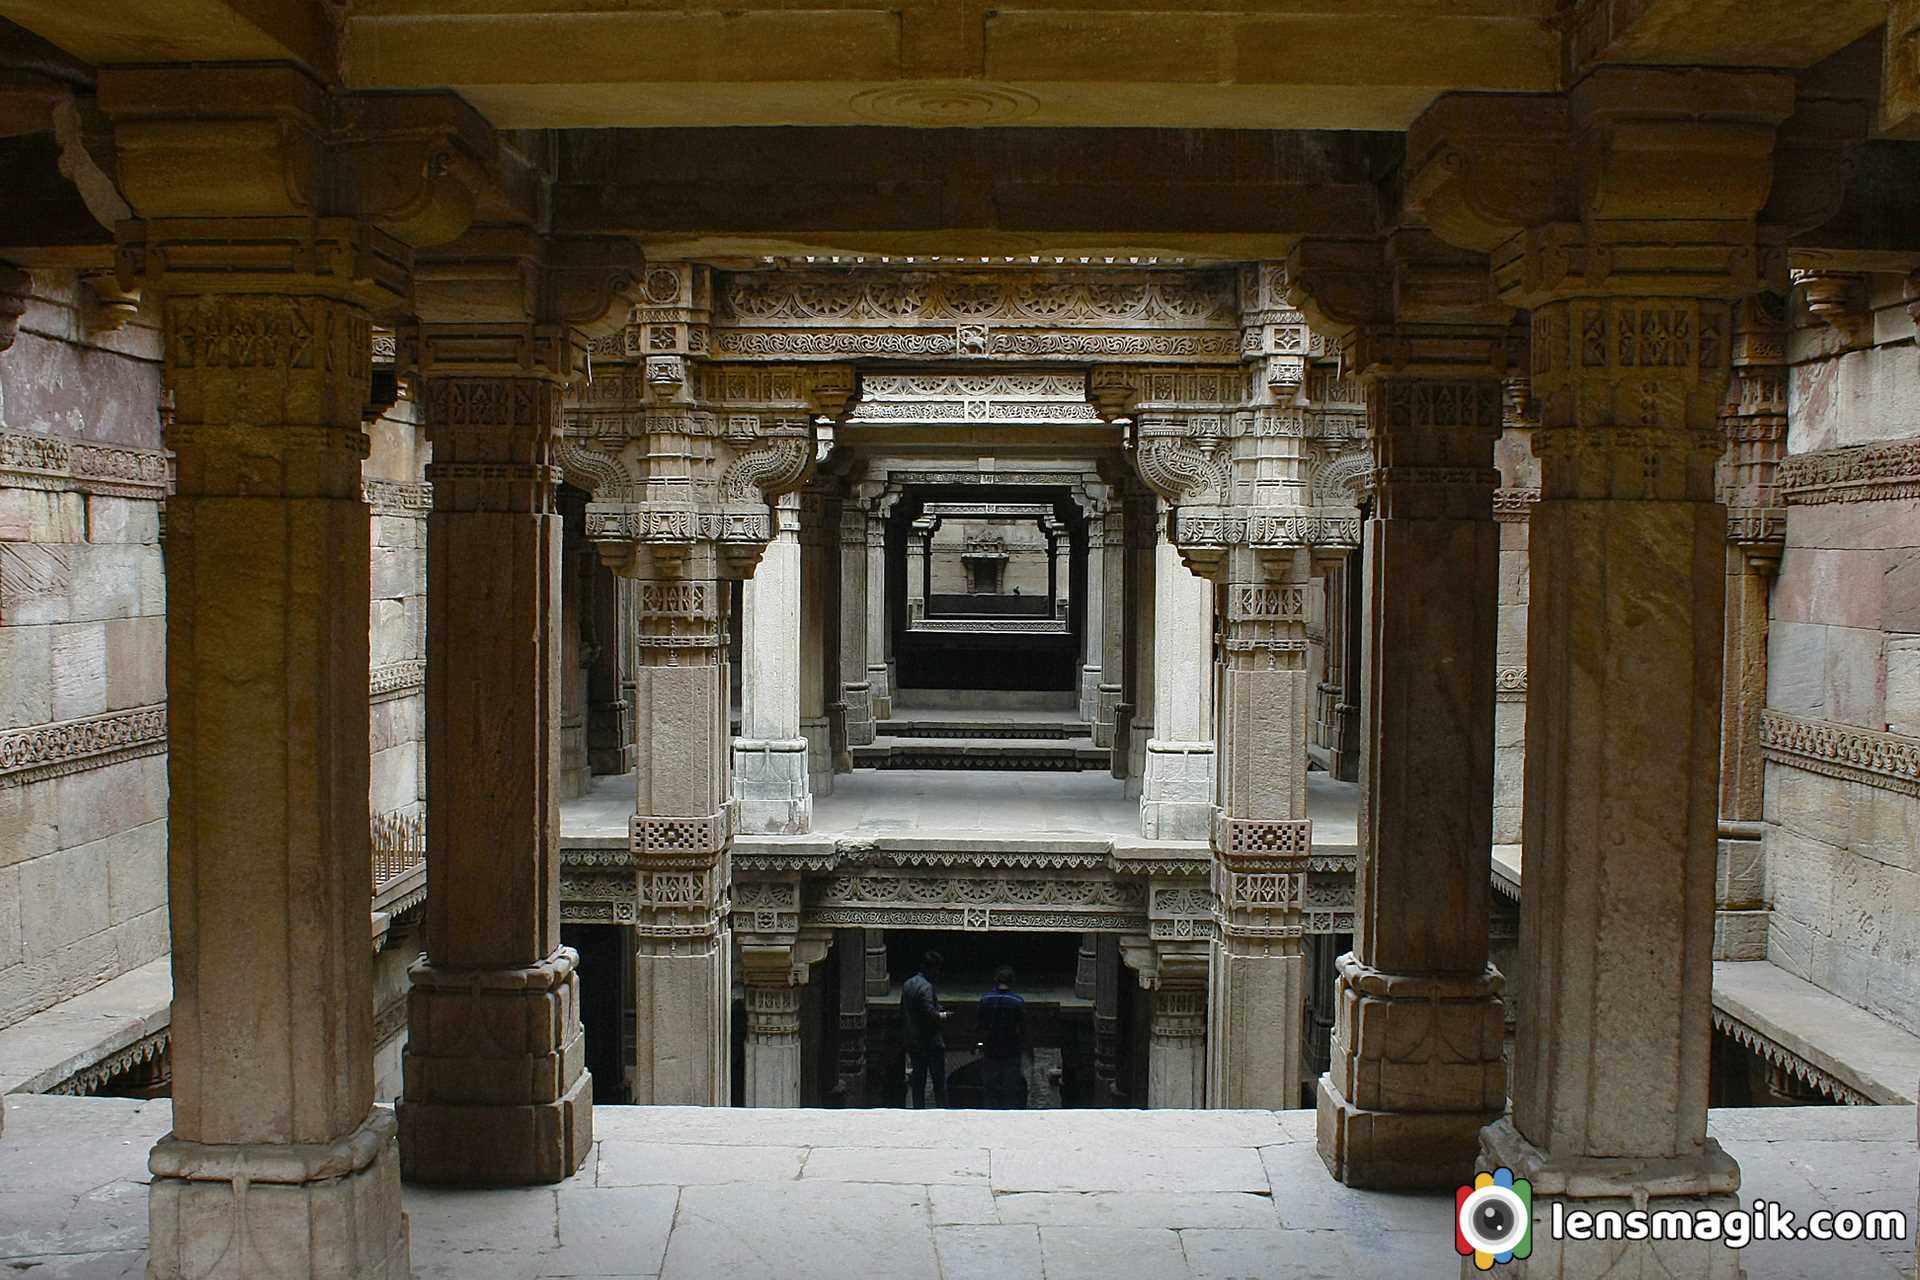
[(83, 785), (1843, 720)]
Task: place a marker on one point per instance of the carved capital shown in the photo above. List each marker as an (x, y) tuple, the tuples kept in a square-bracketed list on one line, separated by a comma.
[(1636, 181)]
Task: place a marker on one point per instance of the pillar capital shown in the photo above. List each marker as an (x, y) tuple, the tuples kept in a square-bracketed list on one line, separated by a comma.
[(1635, 182)]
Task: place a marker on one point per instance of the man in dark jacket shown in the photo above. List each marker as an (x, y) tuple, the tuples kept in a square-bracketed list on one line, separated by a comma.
[(921, 1016), (1002, 1030)]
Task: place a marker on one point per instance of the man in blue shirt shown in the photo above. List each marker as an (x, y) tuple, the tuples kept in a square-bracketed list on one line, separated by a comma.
[(920, 1017), (1001, 1027)]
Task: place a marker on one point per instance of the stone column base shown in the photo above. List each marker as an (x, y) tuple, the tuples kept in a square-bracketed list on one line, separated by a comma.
[(1417, 1073), (497, 1092), (1106, 703), (1708, 1181), (770, 781), (880, 690), (1090, 693), (859, 716), (819, 735), (329, 1211), (1176, 795)]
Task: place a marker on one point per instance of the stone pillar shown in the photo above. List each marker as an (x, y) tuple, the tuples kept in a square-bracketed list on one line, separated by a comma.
[(850, 956), (1086, 966), (775, 963), (878, 982), (919, 535), (816, 578), (1416, 1067), (1262, 837), (1133, 712), (879, 668), (1176, 795), (609, 714), (1755, 422), (680, 832), (496, 1090), (1115, 561), (277, 1162), (856, 681), (1106, 1021), (770, 756), (1093, 625), (1177, 1046), (1625, 260)]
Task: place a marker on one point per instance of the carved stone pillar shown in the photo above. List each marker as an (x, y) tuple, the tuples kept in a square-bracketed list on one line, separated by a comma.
[(1086, 965), (776, 960), (1262, 837), (850, 956), (496, 1090), (1094, 627), (1113, 555), (1601, 228), (609, 714), (919, 565), (878, 981), (1755, 422), (770, 775), (1416, 1063), (1106, 1021), (879, 664), (856, 681), (816, 639), (276, 1162), (255, 241), (1133, 713), (681, 832), (1176, 793)]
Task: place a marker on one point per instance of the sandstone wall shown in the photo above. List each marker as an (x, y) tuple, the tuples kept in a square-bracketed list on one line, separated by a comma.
[(1843, 689), (83, 786)]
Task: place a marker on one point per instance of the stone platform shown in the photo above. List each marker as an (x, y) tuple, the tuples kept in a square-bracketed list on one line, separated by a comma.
[(693, 1194)]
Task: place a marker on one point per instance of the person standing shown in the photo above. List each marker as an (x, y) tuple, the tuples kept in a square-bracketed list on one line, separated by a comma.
[(1001, 1026), (921, 1016)]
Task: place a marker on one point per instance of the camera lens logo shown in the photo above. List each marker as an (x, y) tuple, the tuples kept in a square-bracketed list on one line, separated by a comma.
[(1493, 1218)]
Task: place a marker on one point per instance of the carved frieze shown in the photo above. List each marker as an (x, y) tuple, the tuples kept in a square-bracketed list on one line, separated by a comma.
[(1890, 761), (1856, 473), (69, 746), (82, 466)]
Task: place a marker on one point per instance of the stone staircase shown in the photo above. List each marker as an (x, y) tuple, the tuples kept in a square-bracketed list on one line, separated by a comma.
[(946, 736)]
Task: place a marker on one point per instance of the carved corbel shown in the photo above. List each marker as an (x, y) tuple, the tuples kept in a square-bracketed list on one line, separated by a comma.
[(1838, 299), (415, 164), (1178, 463), (1114, 391), (593, 284), (1482, 165), (1339, 284)]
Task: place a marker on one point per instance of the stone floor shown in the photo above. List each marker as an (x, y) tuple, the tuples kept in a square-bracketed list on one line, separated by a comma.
[(938, 801), (689, 1194)]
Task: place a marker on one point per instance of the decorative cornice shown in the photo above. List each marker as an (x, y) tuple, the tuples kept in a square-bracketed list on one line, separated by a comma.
[(62, 465), (1890, 761), (70, 746), (1856, 473), (1778, 1055), (89, 1080)]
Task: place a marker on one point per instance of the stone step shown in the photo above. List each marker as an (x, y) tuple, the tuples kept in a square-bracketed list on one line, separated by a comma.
[(974, 753), (987, 728)]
